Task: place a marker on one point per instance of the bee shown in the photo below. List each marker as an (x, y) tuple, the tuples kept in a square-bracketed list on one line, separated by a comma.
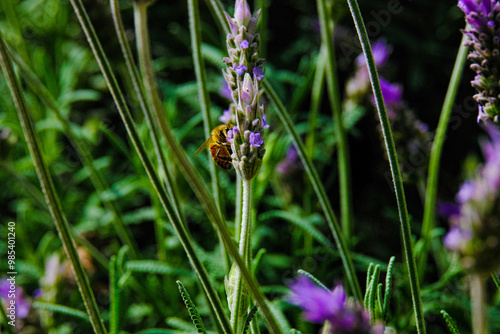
[(220, 148)]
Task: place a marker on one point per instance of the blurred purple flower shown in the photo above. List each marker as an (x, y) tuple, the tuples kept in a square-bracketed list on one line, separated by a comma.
[(7, 289), (264, 123), (456, 237), (322, 305), (380, 52), (226, 116), (475, 231), (392, 93), (225, 91), (448, 210), (290, 162)]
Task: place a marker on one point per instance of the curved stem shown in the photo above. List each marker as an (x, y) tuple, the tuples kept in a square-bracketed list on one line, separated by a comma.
[(145, 62), (203, 96), (334, 96), (49, 192), (437, 148), (320, 192), (394, 165)]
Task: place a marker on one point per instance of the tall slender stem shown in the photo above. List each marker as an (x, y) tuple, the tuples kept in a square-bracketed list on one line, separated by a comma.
[(334, 96), (240, 306), (49, 192), (246, 222), (203, 96), (437, 148), (394, 166), (478, 304)]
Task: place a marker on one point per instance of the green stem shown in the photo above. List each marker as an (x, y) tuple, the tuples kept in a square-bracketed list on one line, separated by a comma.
[(394, 165), (317, 92), (478, 304), (334, 96), (51, 197), (146, 65), (245, 250), (320, 192), (201, 80), (437, 148)]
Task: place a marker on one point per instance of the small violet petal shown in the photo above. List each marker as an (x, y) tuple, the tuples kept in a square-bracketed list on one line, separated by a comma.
[(240, 69)]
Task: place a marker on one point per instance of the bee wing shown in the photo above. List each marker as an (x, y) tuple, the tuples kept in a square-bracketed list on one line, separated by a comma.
[(204, 145)]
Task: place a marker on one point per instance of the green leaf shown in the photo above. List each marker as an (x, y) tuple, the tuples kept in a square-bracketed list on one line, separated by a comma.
[(388, 290), (154, 267), (452, 325), (61, 309), (191, 307), (249, 318), (312, 278), (496, 279)]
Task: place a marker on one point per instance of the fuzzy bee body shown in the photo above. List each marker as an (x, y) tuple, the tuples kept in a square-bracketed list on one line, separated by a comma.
[(219, 147)]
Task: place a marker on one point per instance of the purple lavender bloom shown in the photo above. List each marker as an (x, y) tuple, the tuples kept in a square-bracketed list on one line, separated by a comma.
[(232, 133), (466, 192), (255, 140), (264, 123), (322, 305), (22, 306), (226, 116), (484, 19), (244, 44), (240, 69), (258, 73)]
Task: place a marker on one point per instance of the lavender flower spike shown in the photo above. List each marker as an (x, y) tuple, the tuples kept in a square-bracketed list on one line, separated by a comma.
[(483, 16), (242, 73), (475, 229)]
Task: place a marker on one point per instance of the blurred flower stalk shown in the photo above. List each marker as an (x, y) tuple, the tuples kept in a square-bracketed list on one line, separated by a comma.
[(475, 227)]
